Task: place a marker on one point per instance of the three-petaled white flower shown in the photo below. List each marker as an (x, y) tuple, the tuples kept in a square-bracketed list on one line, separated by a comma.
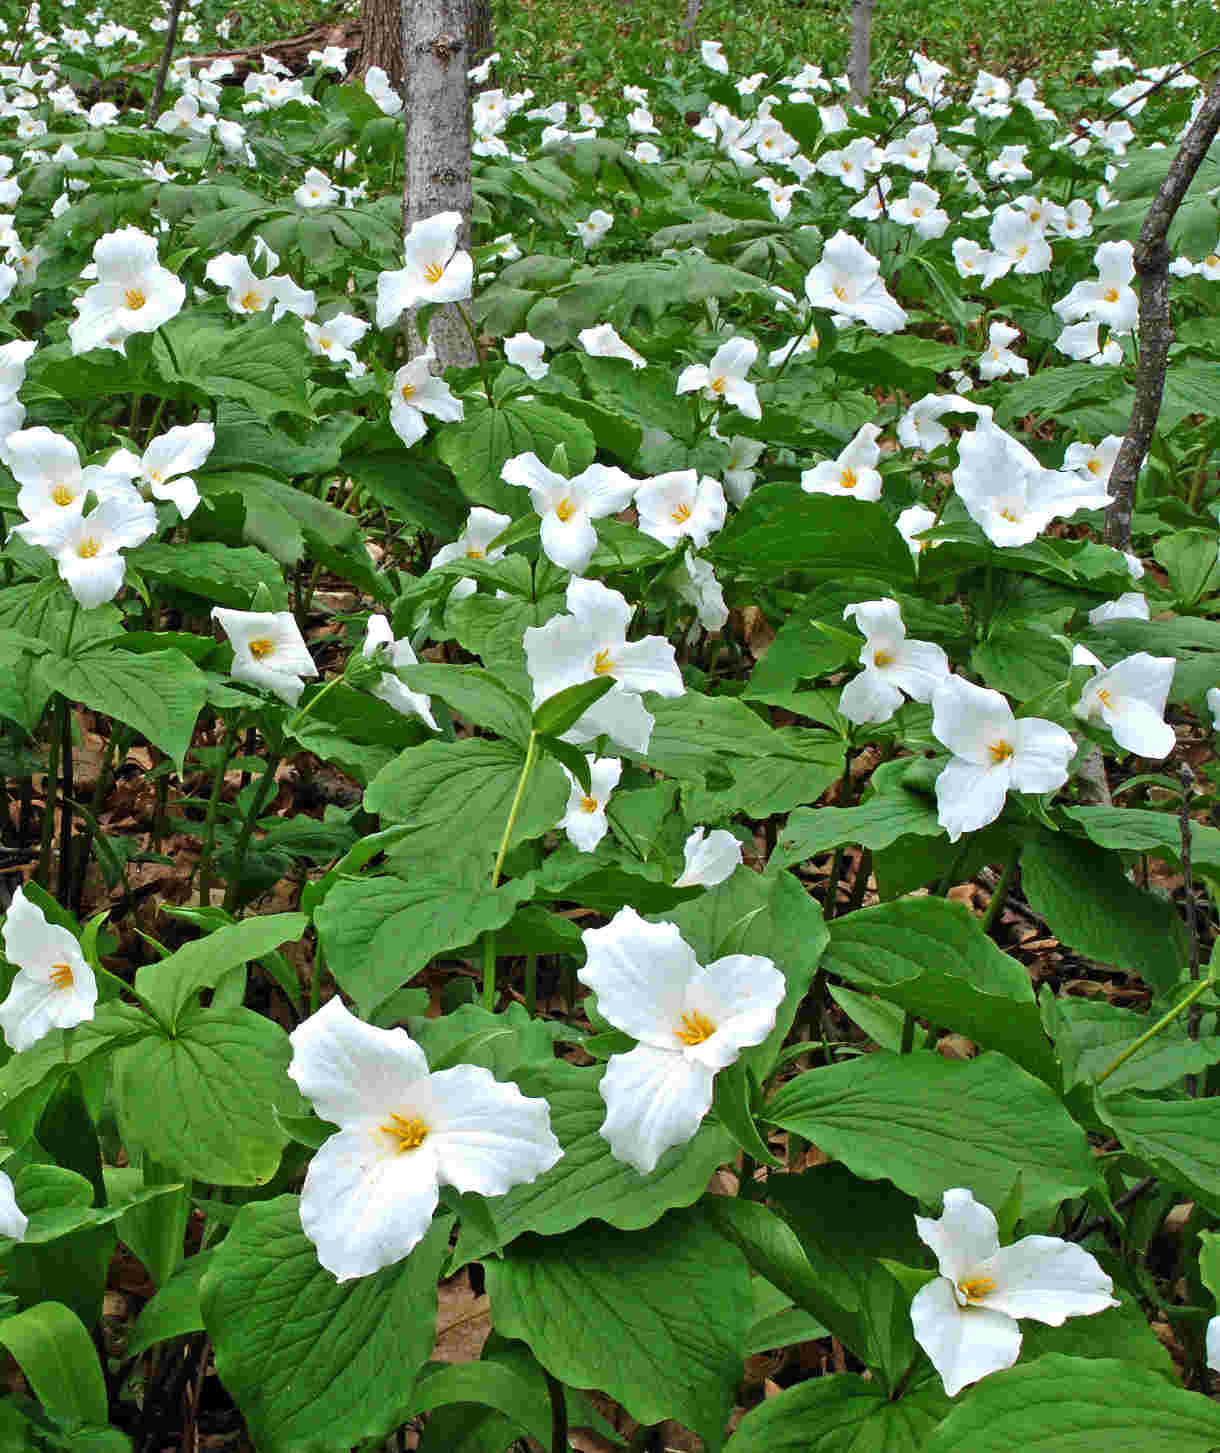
[(584, 820), (848, 282), (87, 547), (417, 391), (268, 650), (592, 641), (389, 688), (568, 507), (853, 474), (992, 751), (892, 664), (680, 504), (482, 527), (723, 380), (594, 228), (1130, 699), (47, 467), (966, 1320), (1108, 298), (132, 294), (708, 858), (690, 1021), (334, 340), (998, 358), (166, 464), (371, 1190), (437, 270), (54, 988), (246, 292)]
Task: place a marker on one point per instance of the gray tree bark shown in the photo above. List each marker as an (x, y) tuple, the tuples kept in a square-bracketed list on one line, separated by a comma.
[(861, 48), (381, 39), (437, 127), (686, 37)]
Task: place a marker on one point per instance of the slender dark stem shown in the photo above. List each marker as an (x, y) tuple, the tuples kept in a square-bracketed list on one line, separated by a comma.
[(266, 782), (999, 895), (209, 826), (1123, 1201), (908, 1032), (43, 876), (559, 1414), (167, 55), (65, 800), (531, 984)]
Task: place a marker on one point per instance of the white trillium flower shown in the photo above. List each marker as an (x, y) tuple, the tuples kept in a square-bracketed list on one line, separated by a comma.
[(593, 229), (592, 641), (482, 527), (739, 474), (695, 583), (993, 751), (1130, 698), (997, 358), (1082, 341), (248, 293), (708, 858), (568, 507), (723, 380), (853, 473), (335, 339), (390, 689), (892, 664), (914, 150), (920, 426), (711, 52), (13, 1221), (371, 1190), (970, 258), (848, 282), (47, 467), (853, 164), (417, 391), (165, 464), (1094, 461), (679, 504), (382, 94), (966, 1320), (1018, 245), (1109, 298), (1130, 606), (87, 547), (921, 209), (525, 352), (604, 342), (268, 650), (912, 523), (437, 270), (584, 821), (54, 987), (690, 1021), (132, 293)]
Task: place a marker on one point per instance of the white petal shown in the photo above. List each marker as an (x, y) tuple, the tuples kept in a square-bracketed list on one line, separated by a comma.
[(869, 697), (877, 617), (602, 490), (964, 1236), (95, 581), (648, 665), (178, 451), (1139, 728), (963, 1343), (969, 796), (354, 1073), (740, 994), (12, 1221), (35, 1005), (584, 829), (655, 1099), (364, 1208), (487, 1136), (182, 493), (968, 719), (32, 942), (1047, 1279), (640, 972), (568, 543), (919, 667), (1213, 1344), (708, 861), (1041, 753), (620, 715)]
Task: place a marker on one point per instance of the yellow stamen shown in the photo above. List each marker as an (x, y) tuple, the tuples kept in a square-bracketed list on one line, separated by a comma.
[(717, 385), (1007, 514), (262, 648), (1094, 466), (323, 342), (680, 515), (916, 211), (848, 479), (588, 804), (1105, 698), (474, 554), (407, 391), (62, 495), (135, 299), (407, 1130), (1111, 295), (88, 548), (62, 976), (1211, 260), (565, 509), (1022, 250), (999, 752), (840, 292), (252, 301), (883, 658), (975, 1288), (602, 664), (434, 271), (695, 1028)]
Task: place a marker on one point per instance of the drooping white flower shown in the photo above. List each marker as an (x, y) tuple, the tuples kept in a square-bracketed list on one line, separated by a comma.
[(695, 582), (437, 270), (568, 507), (723, 380), (1130, 698), (1008, 494), (848, 282), (1130, 606), (132, 293), (525, 352), (482, 527), (997, 358), (681, 504), (268, 650), (592, 641), (246, 292), (892, 664), (592, 231), (1094, 461), (966, 1320), (54, 987), (371, 1190), (1108, 298), (690, 1021), (604, 342), (389, 688), (711, 52), (912, 523), (335, 339), (165, 464), (417, 391), (87, 548), (584, 821), (708, 858), (993, 751), (853, 475), (47, 467), (739, 474)]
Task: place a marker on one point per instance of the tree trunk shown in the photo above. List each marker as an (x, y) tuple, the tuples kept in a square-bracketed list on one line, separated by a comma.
[(861, 48), (167, 56), (686, 38), (479, 34), (381, 39), (437, 126)]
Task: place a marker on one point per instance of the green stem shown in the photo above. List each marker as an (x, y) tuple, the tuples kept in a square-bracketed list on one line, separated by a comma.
[(489, 971), (1000, 896), (247, 830), (1137, 1045), (311, 703), (209, 826), (908, 1032), (315, 981), (474, 342), (43, 876), (71, 626), (559, 1415), (531, 752)]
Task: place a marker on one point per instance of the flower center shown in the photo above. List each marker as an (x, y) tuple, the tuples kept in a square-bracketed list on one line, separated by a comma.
[(62, 976), (695, 1028), (848, 479), (1007, 514), (1022, 250), (252, 301), (840, 292), (1111, 295), (262, 648), (135, 299), (474, 554), (1105, 698), (603, 665), (565, 509), (916, 211), (717, 385), (588, 804), (62, 495), (408, 391), (999, 752), (434, 271), (409, 1132), (1211, 260), (680, 515), (1094, 466), (88, 548), (323, 342), (975, 1288), (883, 658)]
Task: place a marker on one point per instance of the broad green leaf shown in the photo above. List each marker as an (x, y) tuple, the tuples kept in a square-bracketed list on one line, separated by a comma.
[(264, 365), (877, 823), (1179, 1139), (159, 694), (219, 573), (1190, 558), (175, 1310), (489, 1385), (931, 957), (557, 713), (1138, 830), (673, 1311), (478, 696), (1021, 660), (588, 1183), (694, 733), (316, 1365), (59, 1203), (1077, 1405), (840, 1414), (477, 448), (1120, 1332), (225, 1073), (929, 1124), (59, 1360), (1090, 1034)]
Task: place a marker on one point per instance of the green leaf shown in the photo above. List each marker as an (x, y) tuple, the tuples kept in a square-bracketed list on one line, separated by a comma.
[(732, 1107), (1120, 1332), (1190, 558), (659, 1354), (174, 1311), (1090, 1034), (477, 448), (225, 1072), (168, 986), (159, 694), (316, 1365), (489, 1385), (563, 710), (931, 957), (840, 1414), (218, 573), (59, 1203), (1053, 392), (1078, 1405), (1090, 904), (1137, 830), (875, 824), (929, 1124), (264, 365), (1022, 660), (59, 1361), (477, 695), (1178, 1139), (588, 1183)]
